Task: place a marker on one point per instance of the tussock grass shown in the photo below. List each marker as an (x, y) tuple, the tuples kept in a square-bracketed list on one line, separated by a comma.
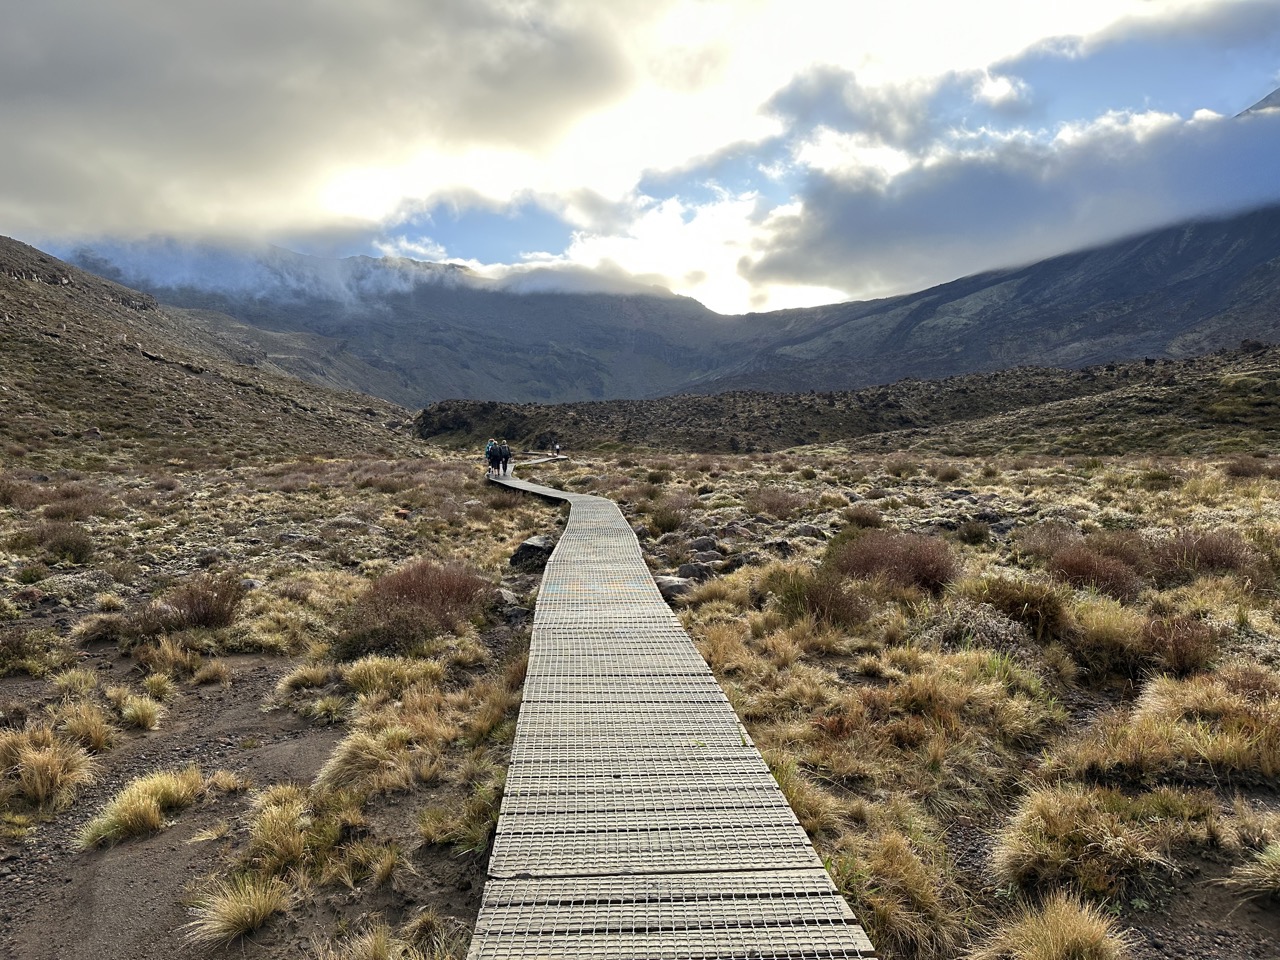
[(42, 768), (468, 826), (372, 761), (235, 907), (135, 710), (159, 686), (1221, 725), (1261, 875), (140, 807), (1099, 840), (75, 683), (390, 676), (212, 671), (87, 724), (309, 676), (902, 893), (1062, 928)]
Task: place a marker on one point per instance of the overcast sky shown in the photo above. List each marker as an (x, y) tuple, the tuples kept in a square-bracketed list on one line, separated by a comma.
[(753, 154)]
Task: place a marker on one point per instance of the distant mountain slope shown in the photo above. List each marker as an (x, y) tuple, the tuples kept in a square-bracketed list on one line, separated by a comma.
[(435, 330), (1170, 293), (83, 357), (1230, 399), (415, 333)]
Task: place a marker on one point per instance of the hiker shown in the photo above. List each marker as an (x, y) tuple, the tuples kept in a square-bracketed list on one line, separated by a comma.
[(557, 449), (504, 459), (491, 458)]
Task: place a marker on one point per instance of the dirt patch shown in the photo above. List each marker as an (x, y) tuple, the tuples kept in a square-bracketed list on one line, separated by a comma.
[(126, 902)]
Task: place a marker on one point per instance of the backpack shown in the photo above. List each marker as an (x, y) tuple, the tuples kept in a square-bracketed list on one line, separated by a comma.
[(504, 452)]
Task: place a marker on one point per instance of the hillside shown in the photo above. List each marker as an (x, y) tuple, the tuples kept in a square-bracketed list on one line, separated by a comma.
[(415, 333), (1222, 401), (87, 358), (422, 332), (1170, 293)]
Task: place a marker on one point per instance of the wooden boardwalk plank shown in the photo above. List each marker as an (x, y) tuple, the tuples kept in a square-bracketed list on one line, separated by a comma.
[(639, 820)]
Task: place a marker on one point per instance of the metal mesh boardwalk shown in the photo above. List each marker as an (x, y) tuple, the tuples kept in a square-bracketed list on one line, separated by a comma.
[(639, 820)]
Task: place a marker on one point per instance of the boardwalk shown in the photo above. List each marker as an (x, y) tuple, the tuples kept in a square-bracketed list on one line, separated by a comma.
[(639, 820)]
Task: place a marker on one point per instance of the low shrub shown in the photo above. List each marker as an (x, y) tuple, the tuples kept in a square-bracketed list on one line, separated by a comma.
[(776, 502), (819, 594), (63, 541), (1082, 566), (1248, 468), (1180, 645), (33, 651), (863, 515), (665, 518), (409, 607), (1042, 540), (906, 559), (1187, 553), (206, 601), (974, 532)]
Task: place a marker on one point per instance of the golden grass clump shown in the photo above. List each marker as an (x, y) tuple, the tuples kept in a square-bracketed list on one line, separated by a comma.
[(140, 807), (75, 682), (1261, 875), (309, 676), (902, 894), (1098, 840), (1224, 724), (371, 761), (87, 724), (279, 833), (390, 676), (1062, 928), (43, 768), (232, 908), (468, 825), (135, 710)]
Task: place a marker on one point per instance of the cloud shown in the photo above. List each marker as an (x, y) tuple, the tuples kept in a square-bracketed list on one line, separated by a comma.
[(1013, 200), (141, 114)]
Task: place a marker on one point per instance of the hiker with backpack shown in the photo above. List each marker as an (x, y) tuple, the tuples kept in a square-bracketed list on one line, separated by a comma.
[(491, 459), (504, 459)]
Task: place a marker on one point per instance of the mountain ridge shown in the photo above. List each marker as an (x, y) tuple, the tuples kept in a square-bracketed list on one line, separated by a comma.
[(1185, 289)]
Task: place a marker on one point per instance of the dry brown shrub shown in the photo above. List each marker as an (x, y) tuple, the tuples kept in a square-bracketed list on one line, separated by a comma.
[(820, 594), (1187, 553), (205, 601), (1181, 645), (1082, 566), (409, 607), (777, 502), (863, 515), (1248, 468), (906, 559), (1042, 540)]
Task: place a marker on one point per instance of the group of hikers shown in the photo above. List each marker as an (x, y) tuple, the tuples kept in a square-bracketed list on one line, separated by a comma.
[(497, 458)]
